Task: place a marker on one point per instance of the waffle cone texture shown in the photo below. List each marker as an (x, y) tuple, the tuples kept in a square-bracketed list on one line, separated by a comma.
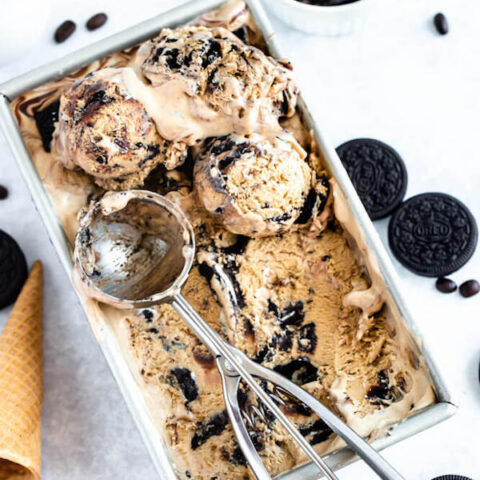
[(21, 383)]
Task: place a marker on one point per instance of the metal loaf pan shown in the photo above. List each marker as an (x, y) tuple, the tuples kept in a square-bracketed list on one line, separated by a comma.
[(445, 406)]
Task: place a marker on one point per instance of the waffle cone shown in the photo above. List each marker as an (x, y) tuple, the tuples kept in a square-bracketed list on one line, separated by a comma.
[(21, 389)]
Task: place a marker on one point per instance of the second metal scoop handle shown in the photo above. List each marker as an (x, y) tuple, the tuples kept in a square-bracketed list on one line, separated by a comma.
[(235, 365)]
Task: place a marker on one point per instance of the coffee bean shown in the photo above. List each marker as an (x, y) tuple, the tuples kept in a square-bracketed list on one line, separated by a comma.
[(3, 192), (64, 31), (97, 21), (445, 285), (441, 23), (469, 288)]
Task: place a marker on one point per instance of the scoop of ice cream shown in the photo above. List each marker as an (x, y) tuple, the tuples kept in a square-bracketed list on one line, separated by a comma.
[(106, 132), (214, 84), (255, 185)]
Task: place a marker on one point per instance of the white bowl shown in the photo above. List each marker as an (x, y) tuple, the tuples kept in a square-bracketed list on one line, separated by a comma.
[(329, 21)]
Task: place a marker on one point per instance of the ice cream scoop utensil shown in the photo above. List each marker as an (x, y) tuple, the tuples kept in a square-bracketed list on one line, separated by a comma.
[(134, 249)]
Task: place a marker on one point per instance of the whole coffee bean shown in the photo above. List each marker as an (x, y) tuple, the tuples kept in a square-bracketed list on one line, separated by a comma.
[(96, 21), (64, 31), (3, 192), (469, 288), (445, 285), (441, 23)]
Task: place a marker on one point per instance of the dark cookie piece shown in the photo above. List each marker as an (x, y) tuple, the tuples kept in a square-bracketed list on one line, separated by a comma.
[(186, 382), (45, 120), (292, 314), (238, 247), (445, 285), (451, 477), (13, 269), (315, 432), (315, 202), (147, 314), (469, 288), (307, 338), (384, 393), (299, 371), (242, 33), (377, 173), (433, 234), (283, 341), (238, 458), (215, 426)]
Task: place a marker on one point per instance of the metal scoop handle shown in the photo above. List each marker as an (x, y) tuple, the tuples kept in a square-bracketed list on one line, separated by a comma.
[(235, 365)]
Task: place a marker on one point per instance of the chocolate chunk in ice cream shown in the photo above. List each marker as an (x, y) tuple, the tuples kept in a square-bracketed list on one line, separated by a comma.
[(106, 132), (254, 185), (433, 234), (378, 174), (13, 269)]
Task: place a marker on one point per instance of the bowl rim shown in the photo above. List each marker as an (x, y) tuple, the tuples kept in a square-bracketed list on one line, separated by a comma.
[(305, 7)]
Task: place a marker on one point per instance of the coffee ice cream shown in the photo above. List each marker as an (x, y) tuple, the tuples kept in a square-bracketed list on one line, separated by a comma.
[(281, 268), (106, 132), (215, 83), (254, 185)]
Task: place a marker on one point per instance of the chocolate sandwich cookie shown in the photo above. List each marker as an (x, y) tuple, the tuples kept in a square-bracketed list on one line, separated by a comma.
[(451, 477), (433, 234), (13, 269), (378, 174)]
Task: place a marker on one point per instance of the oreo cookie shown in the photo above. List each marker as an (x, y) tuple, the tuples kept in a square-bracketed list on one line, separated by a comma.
[(378, 174), (433, 234), (451, 477), (13, 269)]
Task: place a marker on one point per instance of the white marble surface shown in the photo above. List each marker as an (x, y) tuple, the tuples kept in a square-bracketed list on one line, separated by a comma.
[(396, 80)]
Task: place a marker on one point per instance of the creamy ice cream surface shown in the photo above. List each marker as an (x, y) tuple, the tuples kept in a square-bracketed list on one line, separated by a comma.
[(281, 269)]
